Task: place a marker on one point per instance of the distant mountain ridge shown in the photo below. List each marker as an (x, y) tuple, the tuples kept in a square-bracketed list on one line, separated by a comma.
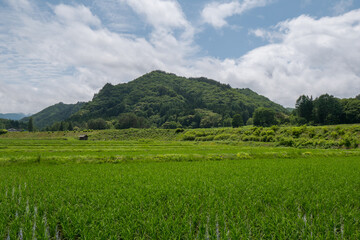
[(55, 113), (13, 116)]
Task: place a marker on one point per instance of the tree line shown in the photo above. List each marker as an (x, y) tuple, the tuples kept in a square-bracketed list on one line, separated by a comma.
[(326, 110)]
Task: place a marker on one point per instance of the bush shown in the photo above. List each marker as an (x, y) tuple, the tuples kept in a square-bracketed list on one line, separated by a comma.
[(334, 135), (222, 137), (179, 130), (189, 136), (288, 142), (297, 131), (3, 131), (275, 128), (346, 142), (312, 133)]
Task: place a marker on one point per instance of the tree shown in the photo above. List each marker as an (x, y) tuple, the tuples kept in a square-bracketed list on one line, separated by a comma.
[(97, 124), (210, 120), (130, 120), (237, 121), (327, 110), (304, 107), (351, 110), (70, 126), (264, 117), (31, 125), (171, 125), (62, 126)]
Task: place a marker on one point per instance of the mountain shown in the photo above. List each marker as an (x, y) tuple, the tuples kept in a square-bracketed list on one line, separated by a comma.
[(55, 113), (12, 116), (161, 97)]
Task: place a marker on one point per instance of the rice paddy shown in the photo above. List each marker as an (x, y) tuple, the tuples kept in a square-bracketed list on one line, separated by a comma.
[(144, 189)]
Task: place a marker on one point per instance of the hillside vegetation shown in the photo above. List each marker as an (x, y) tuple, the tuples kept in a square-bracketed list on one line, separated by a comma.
[(158, 97), (55, 113)]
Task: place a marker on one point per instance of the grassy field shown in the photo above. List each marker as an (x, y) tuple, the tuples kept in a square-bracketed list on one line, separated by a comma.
[(53, 186)]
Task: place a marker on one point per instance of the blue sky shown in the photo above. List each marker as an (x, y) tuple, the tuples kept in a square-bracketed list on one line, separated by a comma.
[(52, 51)]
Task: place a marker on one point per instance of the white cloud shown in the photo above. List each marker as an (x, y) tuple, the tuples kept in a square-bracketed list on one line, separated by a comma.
[(160, 13), (311, 56), (62, 57), (76, 14), (68, 55), (216, 13)]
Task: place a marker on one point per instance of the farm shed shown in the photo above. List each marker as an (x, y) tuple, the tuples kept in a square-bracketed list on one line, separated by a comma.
[(83, 137)]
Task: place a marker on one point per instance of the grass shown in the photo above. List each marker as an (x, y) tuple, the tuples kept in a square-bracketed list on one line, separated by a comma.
[(53, 186), (251, 198)]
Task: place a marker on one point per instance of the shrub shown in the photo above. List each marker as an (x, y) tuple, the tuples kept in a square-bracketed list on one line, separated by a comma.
[(189, 136), (257, 132), (3, 131), (222, 137), (346, 141), (355, 143), (179, 130), (275, 128), (312, 133), (297, 131), (334, 135), (288, 142)]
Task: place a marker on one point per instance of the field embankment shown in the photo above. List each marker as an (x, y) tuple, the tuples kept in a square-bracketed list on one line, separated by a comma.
[(337, 136)]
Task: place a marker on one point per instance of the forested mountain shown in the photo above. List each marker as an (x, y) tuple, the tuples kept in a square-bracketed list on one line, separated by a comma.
[(12, 116), (55, 113), (160, 97)]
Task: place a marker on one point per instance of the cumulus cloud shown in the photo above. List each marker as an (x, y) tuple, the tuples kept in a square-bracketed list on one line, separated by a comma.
[(307, 56), (67, 54), (216, 13)]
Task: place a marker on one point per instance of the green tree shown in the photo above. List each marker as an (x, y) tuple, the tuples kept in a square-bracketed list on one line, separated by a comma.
[(171, 125), (351, 110), (304, 107), (62, 126), (31, 125), (70, 126), (97, 124), (130, 120), (327, 110), (237, 121), (264, 117)]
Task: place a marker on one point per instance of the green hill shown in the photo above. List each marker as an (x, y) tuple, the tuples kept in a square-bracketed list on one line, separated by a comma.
[(55, 113), (160, 97)]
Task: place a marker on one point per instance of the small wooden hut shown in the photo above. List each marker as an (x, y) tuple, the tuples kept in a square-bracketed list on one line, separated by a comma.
[(83, 137)]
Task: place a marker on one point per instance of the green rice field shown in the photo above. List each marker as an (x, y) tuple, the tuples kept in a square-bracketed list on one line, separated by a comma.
[(151, 189)]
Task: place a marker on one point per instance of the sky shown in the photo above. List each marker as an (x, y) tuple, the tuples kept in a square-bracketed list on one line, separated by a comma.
[(66, 51)]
